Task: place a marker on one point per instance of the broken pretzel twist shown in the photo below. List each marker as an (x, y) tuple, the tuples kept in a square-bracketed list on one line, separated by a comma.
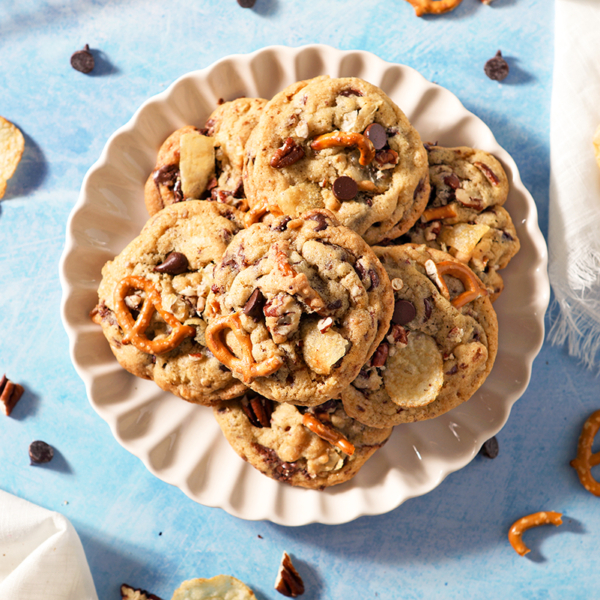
[(246, 366), (515, 533), (134, 330), (340, 138), (327, 433), (585, 460), (472, 285), (434, 7)]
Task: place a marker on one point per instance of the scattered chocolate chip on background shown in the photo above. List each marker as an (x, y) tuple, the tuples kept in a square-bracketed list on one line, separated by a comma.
[(496, 68), (490, 448), (82, 60), (246, 3), (40, 452)]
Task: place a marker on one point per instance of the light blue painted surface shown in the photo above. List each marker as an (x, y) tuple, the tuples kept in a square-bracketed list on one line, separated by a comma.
[(449, 544)]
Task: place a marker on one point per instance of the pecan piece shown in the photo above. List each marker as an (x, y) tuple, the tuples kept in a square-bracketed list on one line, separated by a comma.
[(10, 394), (386, 159), (289, 154), (289, 583), (487, 172), (381, 354), (258, 410)]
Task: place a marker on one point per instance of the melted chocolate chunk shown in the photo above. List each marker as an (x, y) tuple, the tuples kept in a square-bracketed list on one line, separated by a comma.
[(40, 452), (321, 219), (175, 263), (351, 92), (166, 175), (452, 180), (496, 68), (404, 312), (428, 302), (377, 134), (83, 61), (344, 188)]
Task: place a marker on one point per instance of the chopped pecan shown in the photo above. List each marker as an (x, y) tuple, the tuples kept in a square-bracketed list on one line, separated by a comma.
[(381, 354), (487, 172), (10, 394), (258, 410), (288, 582), (386, 159), (289, 154)]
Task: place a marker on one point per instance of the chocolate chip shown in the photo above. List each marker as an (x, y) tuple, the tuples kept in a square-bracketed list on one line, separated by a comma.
[(82, 60), (490, 448), (452, 180), (496, 68), (334, 305), (166, 175), (428, 302), (40, 452), (404, 312), (321, 219), (289, 154), (377, 134), (175, 264), (345, 188), (246, 3), (254, 306), (281, 224)]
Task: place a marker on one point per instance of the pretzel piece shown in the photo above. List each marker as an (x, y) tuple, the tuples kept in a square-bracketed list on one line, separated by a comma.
[(134, 330), (340, 138), (439, 212), (585, 460), (256, 213), (246, 366), (433, 7), (473, 288), (525, 523), (327, 433)]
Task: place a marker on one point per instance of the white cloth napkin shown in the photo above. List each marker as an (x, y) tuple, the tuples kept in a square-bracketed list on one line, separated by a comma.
[(574, 236), (41, 556)]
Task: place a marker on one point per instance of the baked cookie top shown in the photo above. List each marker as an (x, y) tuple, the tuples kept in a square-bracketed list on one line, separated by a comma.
[(196, 163), (297, 307), (339, 144), (308, 447), (440, 347), (161, 280), (464, 215)]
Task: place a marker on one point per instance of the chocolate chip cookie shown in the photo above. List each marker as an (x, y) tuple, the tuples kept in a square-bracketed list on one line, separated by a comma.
[(440, 347), (205, 163), (464, 215), (307, 447), (152, 299), (297, 307), (339, 144)]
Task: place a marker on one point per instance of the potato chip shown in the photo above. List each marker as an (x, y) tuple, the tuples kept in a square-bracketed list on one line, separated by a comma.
[(322, 350), (596, 142), (414, 373), (462, 239), (11, 150), (221, 587)]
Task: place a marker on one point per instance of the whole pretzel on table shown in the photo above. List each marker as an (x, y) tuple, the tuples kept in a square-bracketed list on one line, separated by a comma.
[(134, 330)]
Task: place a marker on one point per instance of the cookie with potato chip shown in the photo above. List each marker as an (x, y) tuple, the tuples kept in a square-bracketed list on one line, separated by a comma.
[(307, 447), (12, 144), (464, 216), (220, 587), (205, 163), (440, 347)]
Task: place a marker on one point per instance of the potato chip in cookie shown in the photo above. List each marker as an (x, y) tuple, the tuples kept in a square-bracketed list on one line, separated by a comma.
[(221, 587), (440, 347), (12, 144), (152, 300), (340, 144), (307, 447), (464, 216), (299, 305), (205, 163)]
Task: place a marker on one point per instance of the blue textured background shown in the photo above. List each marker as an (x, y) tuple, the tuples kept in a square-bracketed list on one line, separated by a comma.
[(449, 544)]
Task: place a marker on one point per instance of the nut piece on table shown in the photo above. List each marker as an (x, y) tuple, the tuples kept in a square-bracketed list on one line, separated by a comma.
[(12, 144), (289, 583), (10, 394), (129, 593)]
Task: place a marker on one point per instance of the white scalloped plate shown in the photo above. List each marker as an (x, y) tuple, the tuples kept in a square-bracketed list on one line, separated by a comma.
[(181, 443)]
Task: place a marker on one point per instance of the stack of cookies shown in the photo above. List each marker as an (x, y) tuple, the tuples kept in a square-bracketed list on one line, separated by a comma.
[(315, 273)]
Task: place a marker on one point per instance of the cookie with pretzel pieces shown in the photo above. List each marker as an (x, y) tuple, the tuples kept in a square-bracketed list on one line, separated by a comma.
[(299, 306), (308, 447), (440, 347), (212, 159), (464, 215), (152, 299), (343, 145)]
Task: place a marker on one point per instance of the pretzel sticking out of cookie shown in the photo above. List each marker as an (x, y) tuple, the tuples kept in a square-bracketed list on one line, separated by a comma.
[(327, 433), (256, 213), (346, 139), (585, 460), (473, 288), (433, 7), (134, 330), (439, 212), (246, 366)]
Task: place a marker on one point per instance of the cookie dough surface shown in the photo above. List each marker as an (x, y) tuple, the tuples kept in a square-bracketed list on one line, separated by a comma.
[(288, 171), (227, 130), (200, 231), (287, 450), (435, 355), (310, 295)]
